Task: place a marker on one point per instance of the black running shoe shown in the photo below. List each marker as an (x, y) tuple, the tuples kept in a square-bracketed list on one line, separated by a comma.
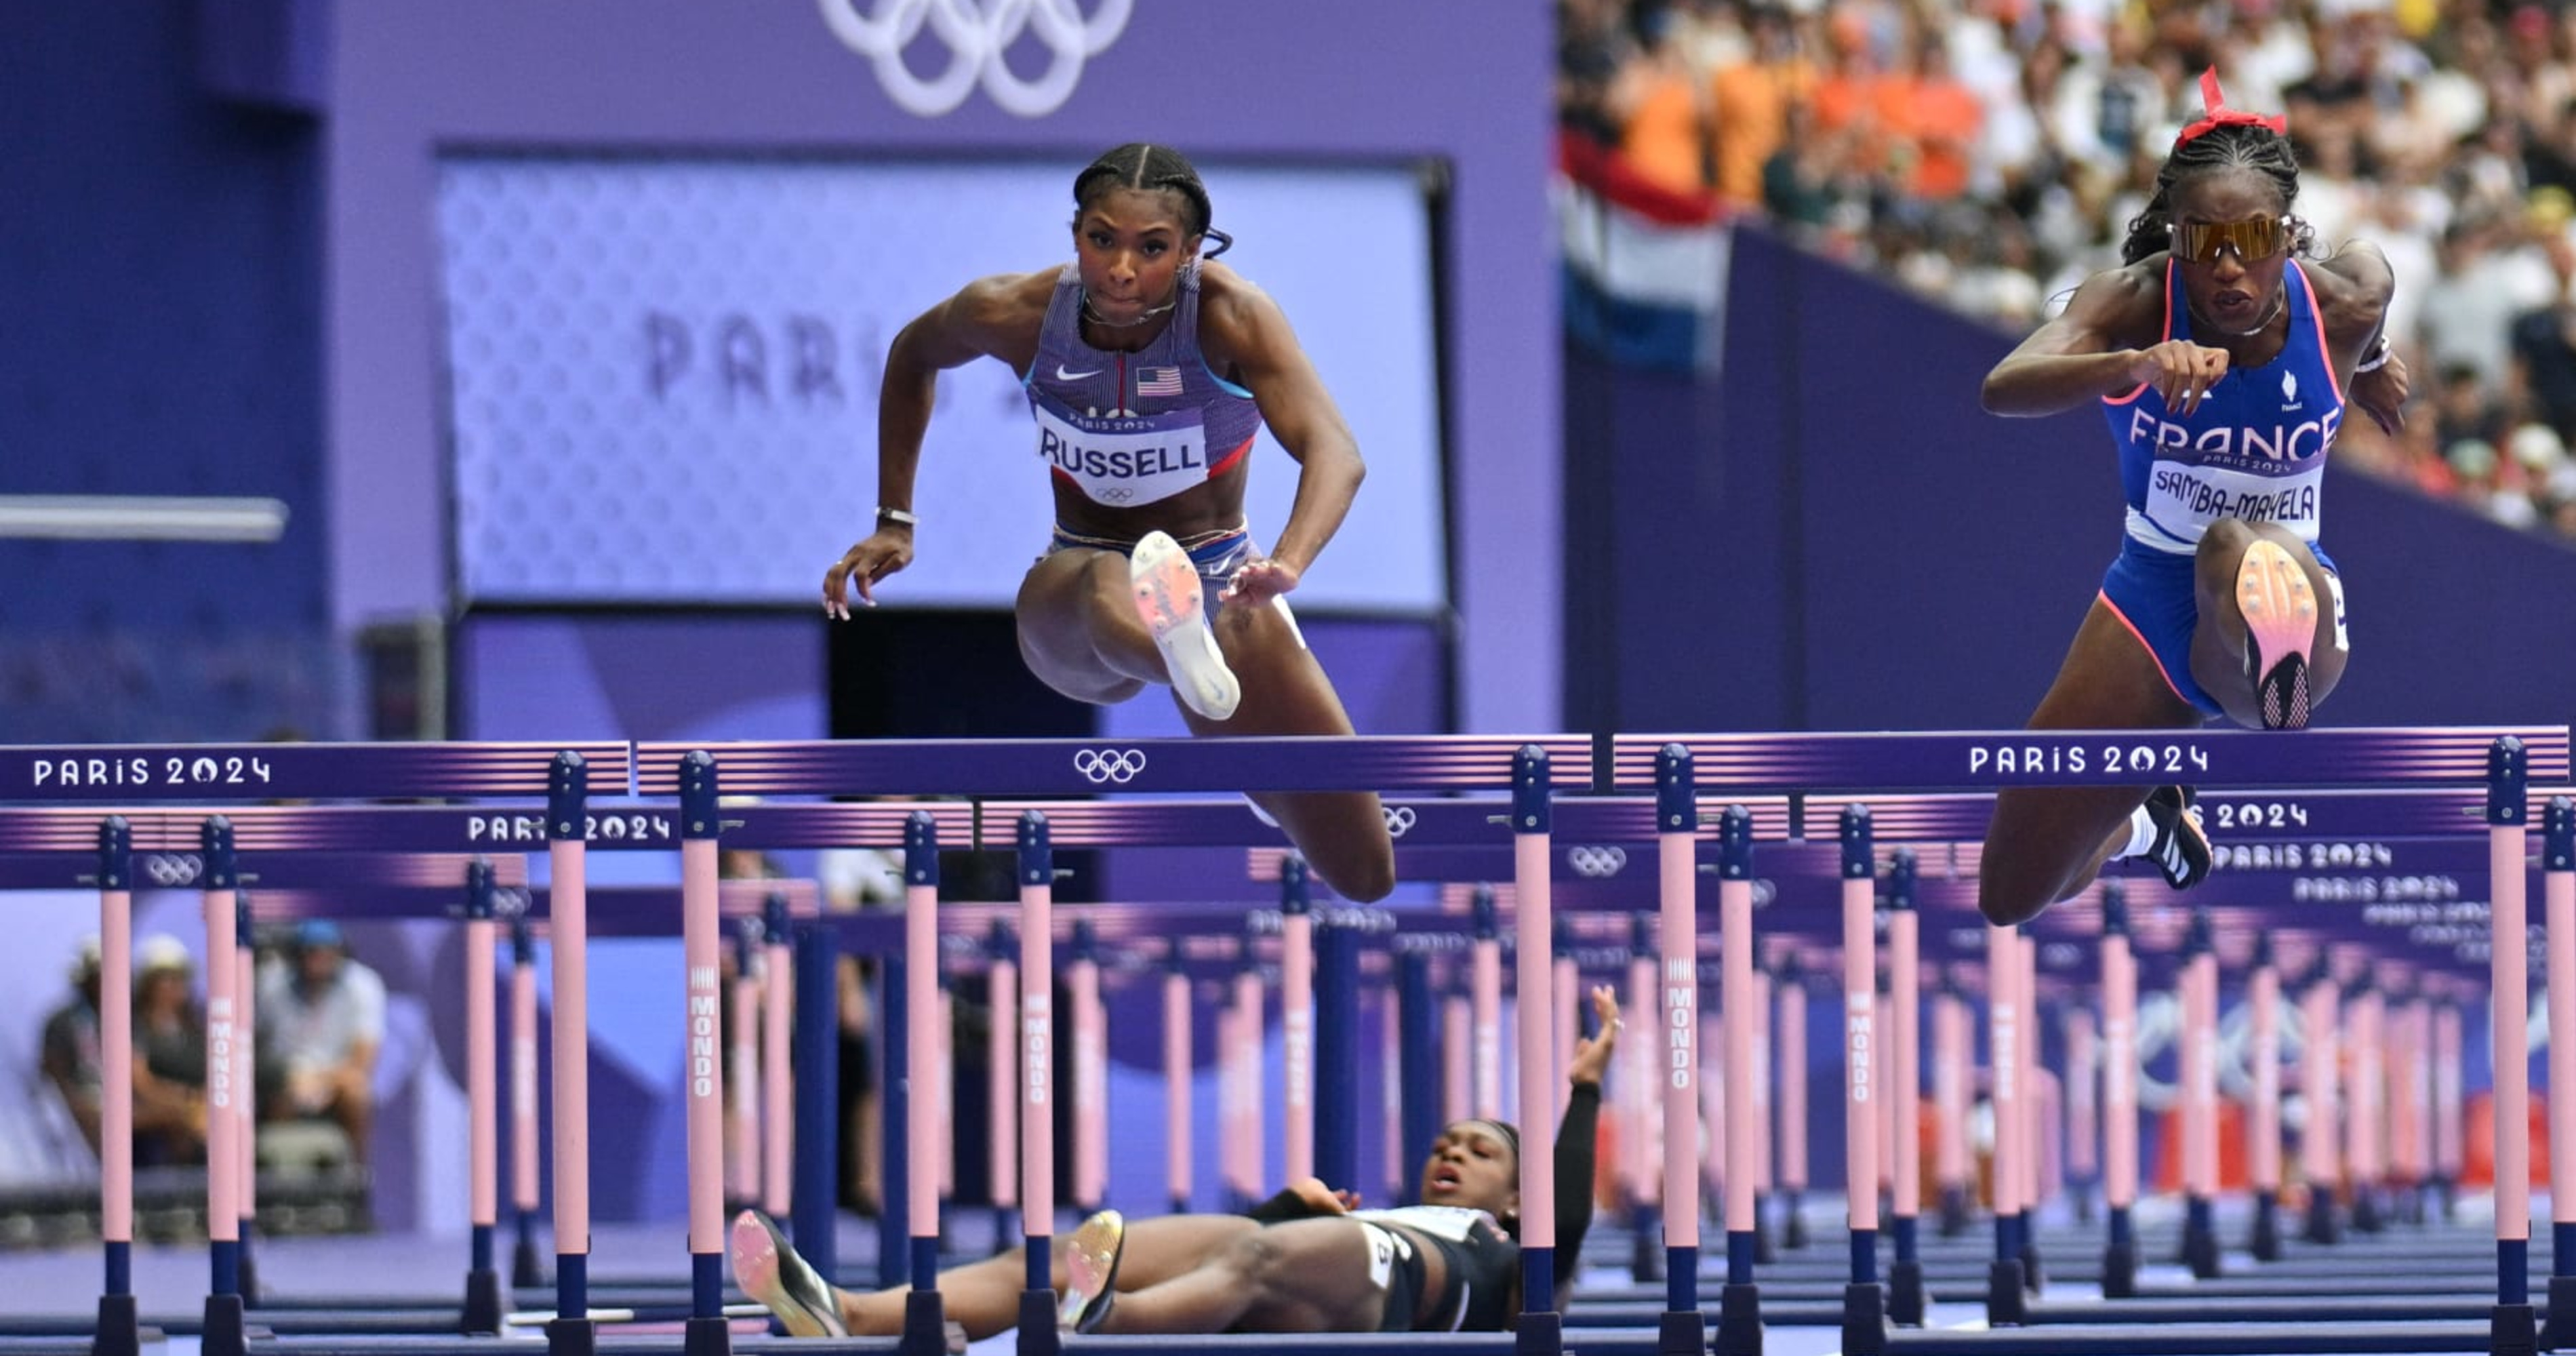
[(2181, 849)]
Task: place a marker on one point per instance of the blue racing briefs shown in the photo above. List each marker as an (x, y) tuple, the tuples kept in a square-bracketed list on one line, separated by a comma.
[(2156, 594), (1218, 557)]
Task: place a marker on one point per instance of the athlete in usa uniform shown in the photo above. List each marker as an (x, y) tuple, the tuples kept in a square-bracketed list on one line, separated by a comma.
[(2225, 368), (1149, 370)]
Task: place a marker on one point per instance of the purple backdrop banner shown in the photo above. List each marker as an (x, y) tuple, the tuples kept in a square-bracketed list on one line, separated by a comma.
[(1238, 83)]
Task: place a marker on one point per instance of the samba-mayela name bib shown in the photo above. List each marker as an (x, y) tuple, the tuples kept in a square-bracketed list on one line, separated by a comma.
[(1125, 459)]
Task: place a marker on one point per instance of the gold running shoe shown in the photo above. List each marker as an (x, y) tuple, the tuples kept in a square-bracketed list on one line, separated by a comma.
[(1091, 1272), (769, 1271)]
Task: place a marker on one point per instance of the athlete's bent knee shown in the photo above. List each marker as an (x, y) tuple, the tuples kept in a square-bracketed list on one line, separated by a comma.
[(1366, 881), (2005, 911)]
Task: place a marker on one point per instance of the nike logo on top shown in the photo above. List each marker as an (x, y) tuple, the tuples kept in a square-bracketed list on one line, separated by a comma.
[(1062, 375)]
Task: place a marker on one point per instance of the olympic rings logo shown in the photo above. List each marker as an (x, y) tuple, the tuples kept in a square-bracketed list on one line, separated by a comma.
[(977, 33), (1597, 863), (1104, 767), (1399, 819), (171, 869)]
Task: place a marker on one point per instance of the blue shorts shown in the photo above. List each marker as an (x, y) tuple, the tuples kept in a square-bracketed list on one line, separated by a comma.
[(1218, 556), (2156, 595)]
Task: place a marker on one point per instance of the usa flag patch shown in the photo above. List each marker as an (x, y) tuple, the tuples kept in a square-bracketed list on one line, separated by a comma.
[(1158, 381)]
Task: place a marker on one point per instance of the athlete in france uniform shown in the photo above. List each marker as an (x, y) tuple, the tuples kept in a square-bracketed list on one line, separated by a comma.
[(2254, 451), (1149, 369), (2225, 368)]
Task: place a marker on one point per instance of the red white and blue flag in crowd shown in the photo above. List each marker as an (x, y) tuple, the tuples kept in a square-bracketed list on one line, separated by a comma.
[(1644, 267)]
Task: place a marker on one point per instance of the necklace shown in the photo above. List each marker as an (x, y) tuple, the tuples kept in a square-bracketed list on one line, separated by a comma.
[(2280, 303), (1148, 317)]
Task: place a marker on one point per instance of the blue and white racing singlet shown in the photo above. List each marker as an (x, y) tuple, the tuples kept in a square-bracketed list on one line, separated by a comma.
[(2254, 450)]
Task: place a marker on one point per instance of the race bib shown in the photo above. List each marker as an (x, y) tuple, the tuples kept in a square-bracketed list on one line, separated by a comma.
[(1123, 460), (2183, 500)]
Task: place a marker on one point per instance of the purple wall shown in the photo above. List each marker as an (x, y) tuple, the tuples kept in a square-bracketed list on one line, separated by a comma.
[(160, 256), (405, 80), (1842, 540)]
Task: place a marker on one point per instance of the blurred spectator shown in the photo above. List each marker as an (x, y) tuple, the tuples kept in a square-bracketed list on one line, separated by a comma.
[(70, 1054), (1662, 108), (1990, 153), (321, 1021), (169, 1056), (1752, 101)]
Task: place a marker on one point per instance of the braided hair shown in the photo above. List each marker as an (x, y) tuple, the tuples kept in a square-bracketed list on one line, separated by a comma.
[(2235, 145), (1142, 164)]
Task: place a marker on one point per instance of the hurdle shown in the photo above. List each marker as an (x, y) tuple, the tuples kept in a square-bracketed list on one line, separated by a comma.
[(2500, 760)]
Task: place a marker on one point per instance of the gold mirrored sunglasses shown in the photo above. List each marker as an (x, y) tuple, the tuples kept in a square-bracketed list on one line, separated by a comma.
[(2254, 241)]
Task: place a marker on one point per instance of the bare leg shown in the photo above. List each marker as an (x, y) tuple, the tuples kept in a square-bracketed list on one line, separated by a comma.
[(1079, 631), (984, 1297), (1285, 692), (1305, 1276), (1081, 635), (2046, 843), (2218, 645)]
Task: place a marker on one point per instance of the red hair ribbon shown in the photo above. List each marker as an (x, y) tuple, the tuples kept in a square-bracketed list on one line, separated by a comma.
[(2218, 115)]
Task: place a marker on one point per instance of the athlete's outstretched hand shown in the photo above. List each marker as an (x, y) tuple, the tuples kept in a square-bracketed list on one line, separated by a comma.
[(886, 550), (1592, 1054), (1323, 1199), (1259, 581), (2181, 371), (2381, 393)]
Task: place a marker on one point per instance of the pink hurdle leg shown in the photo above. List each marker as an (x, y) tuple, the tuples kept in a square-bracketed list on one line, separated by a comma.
[(2200, 1096), (2004, 1285), (482, 1105), (2119, 1095), (116, 1071), (701, 933), (1637, 1080), (1535, 931), (525, 1269), (1252, 1128), (1950, 1065), (1791, 1061), (1674, 1059), (2558, 910), (1090, 1125), (1904, 1044), (1457, 1097), (1176, 1085), (2083, 1107), (1859, 1041), (1745, 1135), (1037, 1076), (1297, 1043), (742, 1085), (245, 1124), (1486, 993), (777, 1082), (223, 1086), (568, 917), (2263, 1123), (1002, 1060), (2511, 985)]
